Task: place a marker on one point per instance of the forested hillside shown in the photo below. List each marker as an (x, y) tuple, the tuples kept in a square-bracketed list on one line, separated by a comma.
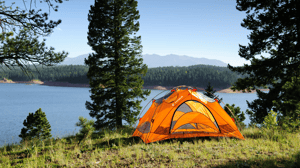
[(69, 73), (197, 75)]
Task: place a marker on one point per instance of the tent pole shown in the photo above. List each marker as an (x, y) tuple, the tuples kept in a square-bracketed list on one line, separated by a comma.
[(226, 107), (144, 109)]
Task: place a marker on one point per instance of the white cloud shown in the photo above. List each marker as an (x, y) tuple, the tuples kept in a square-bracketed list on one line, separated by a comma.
[(58, 28)]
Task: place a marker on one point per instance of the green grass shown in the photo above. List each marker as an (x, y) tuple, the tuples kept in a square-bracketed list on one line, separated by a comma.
[(119, 149)]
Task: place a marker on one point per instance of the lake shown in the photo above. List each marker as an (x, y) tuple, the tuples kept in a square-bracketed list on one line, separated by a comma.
[(63, 106)]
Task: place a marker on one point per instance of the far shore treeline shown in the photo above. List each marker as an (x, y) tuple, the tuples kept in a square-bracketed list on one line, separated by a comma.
[(196, 75)]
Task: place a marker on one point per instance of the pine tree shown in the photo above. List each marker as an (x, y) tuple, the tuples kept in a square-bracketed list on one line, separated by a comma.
[(116, 68), (238, 114), (275, 30), (86, 128), (19, 37), (210, 92), (36, 126)]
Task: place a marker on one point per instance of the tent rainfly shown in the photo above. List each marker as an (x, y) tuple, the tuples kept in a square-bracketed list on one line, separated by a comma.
[(185, 113)]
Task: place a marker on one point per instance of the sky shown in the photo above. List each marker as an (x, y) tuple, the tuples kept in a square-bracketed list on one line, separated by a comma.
[(197, 28)]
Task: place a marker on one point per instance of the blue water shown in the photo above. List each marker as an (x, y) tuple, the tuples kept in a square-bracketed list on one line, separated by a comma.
[(63, 106)]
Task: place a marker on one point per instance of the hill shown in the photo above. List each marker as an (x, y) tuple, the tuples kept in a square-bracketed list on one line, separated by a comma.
[(261, 149)]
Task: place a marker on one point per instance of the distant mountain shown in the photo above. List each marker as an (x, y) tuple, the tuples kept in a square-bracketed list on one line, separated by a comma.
[(79, 60), (155, 60)]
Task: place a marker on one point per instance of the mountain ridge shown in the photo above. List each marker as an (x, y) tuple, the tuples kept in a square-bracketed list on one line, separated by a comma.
[(155, 60)]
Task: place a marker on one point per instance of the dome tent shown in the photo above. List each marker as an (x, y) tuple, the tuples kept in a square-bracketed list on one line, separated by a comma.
[(185, 113)]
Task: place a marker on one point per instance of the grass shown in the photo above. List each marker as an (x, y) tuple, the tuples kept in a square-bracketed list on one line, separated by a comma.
[(119, 149)]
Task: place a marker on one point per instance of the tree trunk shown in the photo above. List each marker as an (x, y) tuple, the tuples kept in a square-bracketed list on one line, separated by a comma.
[(117, 73)]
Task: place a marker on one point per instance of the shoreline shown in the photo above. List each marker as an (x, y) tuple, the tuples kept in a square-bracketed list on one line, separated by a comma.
[(154, 87), (218, 90), (48, 83)]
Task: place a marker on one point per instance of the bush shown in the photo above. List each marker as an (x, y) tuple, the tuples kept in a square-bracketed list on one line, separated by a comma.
[(270, 121), (288, 124), (269, 127), (285, 123), (36, 126)]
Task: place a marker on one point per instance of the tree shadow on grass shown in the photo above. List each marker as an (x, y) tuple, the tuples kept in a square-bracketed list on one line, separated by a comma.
[(118, 142), (188, 140), (124, 142), (256, 135), (292, 162)]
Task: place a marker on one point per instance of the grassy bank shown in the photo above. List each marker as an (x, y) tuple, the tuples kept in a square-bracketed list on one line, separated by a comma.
[(119, 149)]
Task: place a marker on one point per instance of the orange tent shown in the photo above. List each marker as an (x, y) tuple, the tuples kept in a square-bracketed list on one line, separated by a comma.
[(185, 113)]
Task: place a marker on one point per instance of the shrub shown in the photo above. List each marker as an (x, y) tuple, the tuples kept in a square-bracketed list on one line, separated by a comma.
[(270, 121), (36, 126), (288, 124), (270, 127)]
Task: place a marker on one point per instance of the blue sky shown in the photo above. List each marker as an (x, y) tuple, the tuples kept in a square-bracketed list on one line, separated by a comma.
[(197, 28)]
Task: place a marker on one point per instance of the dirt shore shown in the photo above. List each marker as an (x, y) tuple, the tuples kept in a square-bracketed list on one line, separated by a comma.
[(227, 90), (47, 83), (157, 87)]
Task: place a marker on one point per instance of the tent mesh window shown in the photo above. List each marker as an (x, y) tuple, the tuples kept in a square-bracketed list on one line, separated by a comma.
[(159, 101), (203, 97), (145, 127), (189, 107)]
